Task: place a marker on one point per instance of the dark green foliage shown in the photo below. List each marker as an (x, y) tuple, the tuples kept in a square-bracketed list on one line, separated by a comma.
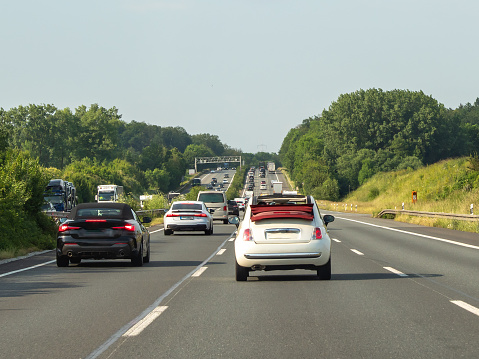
[(369, 131)]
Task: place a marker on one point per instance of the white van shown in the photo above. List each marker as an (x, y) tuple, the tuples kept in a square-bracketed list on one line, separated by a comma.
[(216, 202)]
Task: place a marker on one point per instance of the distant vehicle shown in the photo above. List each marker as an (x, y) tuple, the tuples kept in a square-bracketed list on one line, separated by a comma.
[(271, 167), (277, 186), (103, 231), (225, 181), (283, 233), (62, 194), (241, 202), (214, 179), (196, 182), (108, 193), (233, 208), (263, 187), (48, 207), (217, 204), (188, 216), (226, 175)]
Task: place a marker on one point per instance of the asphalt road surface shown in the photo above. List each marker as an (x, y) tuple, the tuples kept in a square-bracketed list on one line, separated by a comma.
[(397, 291)]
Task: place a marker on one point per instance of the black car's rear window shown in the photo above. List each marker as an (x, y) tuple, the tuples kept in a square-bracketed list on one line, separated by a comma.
[(211, 197), (186, 206), (99, 212)]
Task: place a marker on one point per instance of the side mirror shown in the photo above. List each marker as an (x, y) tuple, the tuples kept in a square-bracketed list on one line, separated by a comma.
[(234, 220), (328, 219), (146, 220)]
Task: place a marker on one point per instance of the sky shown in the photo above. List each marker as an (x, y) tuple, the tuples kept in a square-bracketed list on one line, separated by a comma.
[(247, 71)]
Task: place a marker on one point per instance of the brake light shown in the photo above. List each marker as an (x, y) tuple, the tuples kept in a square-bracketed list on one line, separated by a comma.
[(201, 215), (126, 227), (95, 220), (172, 215), (247, 235), (66, 227), (317, 233), (225, 208)]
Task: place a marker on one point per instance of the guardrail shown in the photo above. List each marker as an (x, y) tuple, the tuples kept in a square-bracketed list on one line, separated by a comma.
[(59, 214), (461, 217)]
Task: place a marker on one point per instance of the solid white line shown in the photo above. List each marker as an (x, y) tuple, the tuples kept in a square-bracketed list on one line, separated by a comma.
[(146, 321), (415, 234), (466, 306), (221, 251), (395, 271), (24, 269), (357, 252), (336, 240), (199, 272)]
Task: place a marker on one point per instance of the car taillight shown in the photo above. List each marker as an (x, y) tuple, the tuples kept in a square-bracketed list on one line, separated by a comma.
[(95, 220), (317, 233), (247, 235), (201, 215), (66, 227), (172, 215), (225, 208), (126, 227)]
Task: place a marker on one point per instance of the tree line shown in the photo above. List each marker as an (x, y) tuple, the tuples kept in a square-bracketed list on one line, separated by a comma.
[(368, 131)]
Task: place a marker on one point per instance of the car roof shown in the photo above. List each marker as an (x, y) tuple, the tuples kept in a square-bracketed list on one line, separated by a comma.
[(125, 209)]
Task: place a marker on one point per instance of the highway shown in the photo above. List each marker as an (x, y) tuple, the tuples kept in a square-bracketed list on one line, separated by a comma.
[(397, 291)]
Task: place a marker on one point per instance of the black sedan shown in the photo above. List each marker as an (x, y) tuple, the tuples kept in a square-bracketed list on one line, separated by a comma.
[(233, 208), (103, 231)]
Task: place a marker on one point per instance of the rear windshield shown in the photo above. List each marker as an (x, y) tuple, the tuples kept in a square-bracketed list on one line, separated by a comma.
[(186, 207), (98, 212), (211, 197)]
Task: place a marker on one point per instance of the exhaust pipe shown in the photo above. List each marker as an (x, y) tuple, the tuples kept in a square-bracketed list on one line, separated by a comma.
[(258, 267), (70, 254)]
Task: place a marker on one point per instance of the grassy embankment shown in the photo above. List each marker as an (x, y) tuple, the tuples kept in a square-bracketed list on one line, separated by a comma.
[(447, 186)]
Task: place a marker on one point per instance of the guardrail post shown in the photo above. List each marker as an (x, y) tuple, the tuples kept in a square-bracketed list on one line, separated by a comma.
[(403, 206), (472, 208)]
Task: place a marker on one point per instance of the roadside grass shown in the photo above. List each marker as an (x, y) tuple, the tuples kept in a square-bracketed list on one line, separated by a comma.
[(447, 186)]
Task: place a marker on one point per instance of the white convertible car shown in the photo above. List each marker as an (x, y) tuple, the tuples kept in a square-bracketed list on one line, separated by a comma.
[(283, 232)]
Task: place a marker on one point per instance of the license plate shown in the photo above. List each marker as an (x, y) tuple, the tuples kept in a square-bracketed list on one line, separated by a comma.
[(187, 217)]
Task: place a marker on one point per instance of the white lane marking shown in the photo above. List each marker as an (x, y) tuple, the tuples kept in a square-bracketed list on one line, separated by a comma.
[(336, 240), (146, 321), (221, 251), (395, 271), (158, 230), (415, 234), (199, 272), (357, 252), (24, 269), (231, 239), (8, 260), (114, 338), (466, 306)]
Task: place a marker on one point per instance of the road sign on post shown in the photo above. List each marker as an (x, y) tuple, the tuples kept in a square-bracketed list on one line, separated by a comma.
[(414, 196)]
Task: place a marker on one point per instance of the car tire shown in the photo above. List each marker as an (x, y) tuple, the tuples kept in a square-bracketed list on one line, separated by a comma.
[(242, 273), (137, 260), (324, 271), (75, 260), (146, 259), (62, 261), (167, 232)]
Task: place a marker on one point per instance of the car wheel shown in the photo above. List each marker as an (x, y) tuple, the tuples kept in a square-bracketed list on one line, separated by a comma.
[(146, 259), (137, 260), (324, 272), (242, 273), (75, 260), (167, 232), (62, 261)]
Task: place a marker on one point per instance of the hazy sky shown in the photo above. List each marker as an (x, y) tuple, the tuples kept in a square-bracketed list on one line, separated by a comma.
[(245, 70)]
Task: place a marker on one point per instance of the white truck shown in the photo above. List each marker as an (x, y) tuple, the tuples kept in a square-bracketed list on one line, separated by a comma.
[(108, 193), (271, 166), (277, 186)]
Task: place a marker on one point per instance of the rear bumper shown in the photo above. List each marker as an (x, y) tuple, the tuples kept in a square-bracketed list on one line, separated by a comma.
[(186, 227)]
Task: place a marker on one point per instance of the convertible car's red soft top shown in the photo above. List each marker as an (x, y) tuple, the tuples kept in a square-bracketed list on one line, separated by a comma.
[(301, 211)]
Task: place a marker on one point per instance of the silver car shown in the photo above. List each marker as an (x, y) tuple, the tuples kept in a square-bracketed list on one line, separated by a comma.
[(188, 216)]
